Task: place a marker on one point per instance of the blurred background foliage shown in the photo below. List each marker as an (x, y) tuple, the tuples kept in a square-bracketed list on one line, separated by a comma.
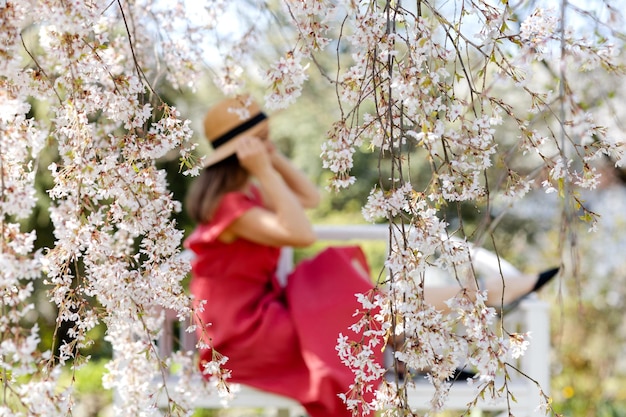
[(588, 308)]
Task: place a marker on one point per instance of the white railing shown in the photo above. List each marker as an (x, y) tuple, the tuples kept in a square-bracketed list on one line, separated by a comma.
[(530, 316)]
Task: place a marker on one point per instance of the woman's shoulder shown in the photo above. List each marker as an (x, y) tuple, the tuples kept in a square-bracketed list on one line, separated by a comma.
[(236, 200), (231, 206)]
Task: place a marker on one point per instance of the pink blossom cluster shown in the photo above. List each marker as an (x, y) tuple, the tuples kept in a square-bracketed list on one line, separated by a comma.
[(573, 56), (22, 140), (425, 84), (116, 249), (286, 76)]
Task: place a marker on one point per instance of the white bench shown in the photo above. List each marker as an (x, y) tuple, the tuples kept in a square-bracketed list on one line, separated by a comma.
[(530, 316)]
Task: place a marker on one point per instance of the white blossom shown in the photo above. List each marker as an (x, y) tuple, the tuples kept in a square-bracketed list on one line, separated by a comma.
[(285, 79), (540, 27)]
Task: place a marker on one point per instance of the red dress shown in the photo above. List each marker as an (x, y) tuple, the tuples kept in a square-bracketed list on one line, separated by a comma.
[(280, 340)]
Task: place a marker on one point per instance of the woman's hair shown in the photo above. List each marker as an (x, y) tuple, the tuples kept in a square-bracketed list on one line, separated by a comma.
[(212, 183)]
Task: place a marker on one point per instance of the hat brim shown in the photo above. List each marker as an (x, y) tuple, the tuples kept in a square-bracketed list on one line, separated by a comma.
[(221, 153)]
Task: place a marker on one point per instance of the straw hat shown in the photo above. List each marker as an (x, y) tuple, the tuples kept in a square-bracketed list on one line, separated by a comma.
[(228, 121)]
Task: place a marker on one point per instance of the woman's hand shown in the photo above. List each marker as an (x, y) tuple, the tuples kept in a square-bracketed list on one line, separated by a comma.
[(271, 148), (253, 155)]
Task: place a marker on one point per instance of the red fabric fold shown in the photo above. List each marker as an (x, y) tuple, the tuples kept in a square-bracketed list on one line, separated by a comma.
[(280, 340)]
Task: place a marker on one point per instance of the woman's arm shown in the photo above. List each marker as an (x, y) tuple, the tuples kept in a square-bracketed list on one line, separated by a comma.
[(296, 180), (286, 224)]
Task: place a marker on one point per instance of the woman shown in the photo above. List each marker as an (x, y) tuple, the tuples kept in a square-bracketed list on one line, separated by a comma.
[(249, 201), (280, 340)]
